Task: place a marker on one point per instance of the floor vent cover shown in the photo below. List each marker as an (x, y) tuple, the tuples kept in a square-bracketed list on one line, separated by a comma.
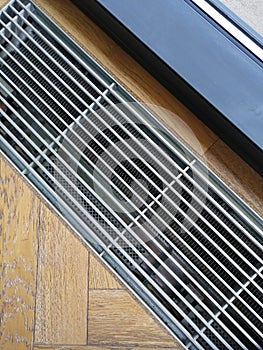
[(175, 234)]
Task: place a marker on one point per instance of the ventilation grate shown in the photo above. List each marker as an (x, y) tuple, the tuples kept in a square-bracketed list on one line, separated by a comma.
[(174, 233)]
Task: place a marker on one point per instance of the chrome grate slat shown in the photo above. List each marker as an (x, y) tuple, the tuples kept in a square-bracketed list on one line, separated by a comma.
[(181, 241)]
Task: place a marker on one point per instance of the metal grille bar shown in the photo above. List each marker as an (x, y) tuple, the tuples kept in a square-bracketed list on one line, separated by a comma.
[(190, 249)]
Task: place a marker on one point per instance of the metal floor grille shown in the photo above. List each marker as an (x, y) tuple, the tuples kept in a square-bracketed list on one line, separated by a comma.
[(174, 233)]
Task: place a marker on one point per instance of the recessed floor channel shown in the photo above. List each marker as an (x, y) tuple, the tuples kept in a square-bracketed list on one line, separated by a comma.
[(174, 233)]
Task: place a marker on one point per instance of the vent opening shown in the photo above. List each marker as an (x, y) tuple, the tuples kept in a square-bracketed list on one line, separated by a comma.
[(188, 247)]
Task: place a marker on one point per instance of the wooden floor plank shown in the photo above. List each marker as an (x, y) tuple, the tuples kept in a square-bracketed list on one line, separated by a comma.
[(237, 174), (62, 284), (100, 277), (116, 319), (19, 212), (3, 2)]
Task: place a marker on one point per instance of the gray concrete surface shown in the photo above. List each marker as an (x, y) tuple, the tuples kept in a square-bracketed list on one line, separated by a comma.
[(251, 11)]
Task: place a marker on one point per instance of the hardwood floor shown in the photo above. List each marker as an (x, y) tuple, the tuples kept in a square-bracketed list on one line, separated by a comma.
[(62, 281), (55, 294), (19, 226)]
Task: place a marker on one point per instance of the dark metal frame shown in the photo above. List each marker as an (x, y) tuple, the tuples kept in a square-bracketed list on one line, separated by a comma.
[(214, 75)]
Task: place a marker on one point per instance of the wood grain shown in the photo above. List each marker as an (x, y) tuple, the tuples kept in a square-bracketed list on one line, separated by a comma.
[(237, 174), (100, 277), (129, 73), (19, 209), (62, 284), (116, 319), (3, 2)]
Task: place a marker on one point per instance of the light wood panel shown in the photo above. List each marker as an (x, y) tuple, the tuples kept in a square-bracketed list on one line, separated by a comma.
[(19, 208), (2, 2), (100, 277), (116, 319), (237, 174), (62, 284)]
